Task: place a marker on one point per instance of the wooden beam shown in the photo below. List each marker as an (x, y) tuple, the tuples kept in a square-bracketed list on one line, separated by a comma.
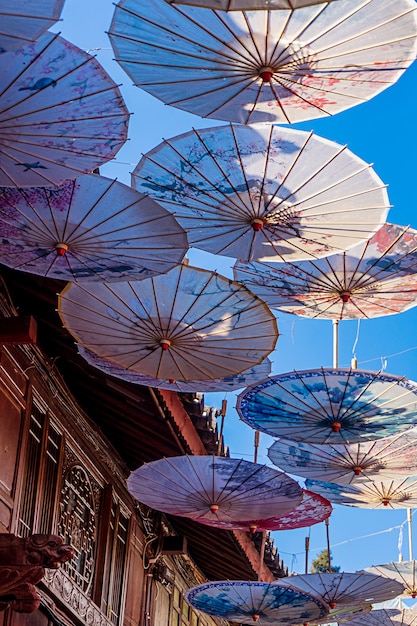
[(18, 330)]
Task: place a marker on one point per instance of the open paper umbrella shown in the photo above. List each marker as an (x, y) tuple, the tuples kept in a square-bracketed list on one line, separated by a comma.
[(265, 192), (249, 602), (330, 405), (248, 5), (61, 115), (312, 509), (21, 23), (386, 617), (344, 589), (228, 383), (265, 66), (87, 229), (378, 277), (390, 457), (393, 494), (188, 324), (404, 571), (212, 487)]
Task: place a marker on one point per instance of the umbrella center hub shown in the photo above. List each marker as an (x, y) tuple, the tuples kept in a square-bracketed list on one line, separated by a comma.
[(357, 470), (61, 248), (294, 61), (214, 508), (336, 426), (345, 295), (256, 617)]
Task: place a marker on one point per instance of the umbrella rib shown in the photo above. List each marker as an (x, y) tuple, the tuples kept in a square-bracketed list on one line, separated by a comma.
[(28, 66)]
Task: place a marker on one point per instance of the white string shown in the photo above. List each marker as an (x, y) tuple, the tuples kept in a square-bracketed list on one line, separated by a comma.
[(389, 356), (356, 338)]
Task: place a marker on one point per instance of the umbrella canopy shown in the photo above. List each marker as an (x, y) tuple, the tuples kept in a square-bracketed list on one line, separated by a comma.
[(386, 617), (188, 324), (248, 5), (344, 589), (217, 488), (265, 66), (91, 228), (392, 494), (21, 23), (264, 192), (330, 405), (249, 602), (390, 457), (61, 115), (372, 279), (228, 383), (312, 509), (403, 571)]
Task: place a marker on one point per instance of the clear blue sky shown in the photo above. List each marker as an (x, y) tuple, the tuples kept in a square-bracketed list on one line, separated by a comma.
[(384, 132)]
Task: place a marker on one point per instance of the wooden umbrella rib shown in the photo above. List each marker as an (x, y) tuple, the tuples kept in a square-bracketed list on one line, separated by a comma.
[(61, 103), (86, 214), (202, 175), (363, 411)]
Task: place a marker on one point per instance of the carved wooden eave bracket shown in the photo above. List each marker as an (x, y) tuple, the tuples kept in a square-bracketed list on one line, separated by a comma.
[(22, 565)]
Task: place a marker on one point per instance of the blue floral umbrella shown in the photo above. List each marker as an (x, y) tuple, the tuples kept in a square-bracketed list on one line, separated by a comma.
[(330, 405), (386, 617), (61, 115), (263, 603), (22, 21), (389, 457), (391, 494), (265, 66)]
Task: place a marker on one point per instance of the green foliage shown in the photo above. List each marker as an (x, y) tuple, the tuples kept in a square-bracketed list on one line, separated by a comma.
[(321, 563)]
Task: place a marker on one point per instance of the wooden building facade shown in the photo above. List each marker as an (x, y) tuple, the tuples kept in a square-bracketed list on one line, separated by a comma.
[(69, 436)]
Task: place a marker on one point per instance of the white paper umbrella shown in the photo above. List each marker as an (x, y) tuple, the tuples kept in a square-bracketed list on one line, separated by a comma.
[(344, 589), (372, 279), (21, 22), (330, 405), (313, 509), (265, 66), (228, 383), (403, 571), (250, 602), (91, 228), (248, 5), (386, 617), (390, 457), (61, 115), (264, 192), (392, 494), (212, 487), (189, 324)]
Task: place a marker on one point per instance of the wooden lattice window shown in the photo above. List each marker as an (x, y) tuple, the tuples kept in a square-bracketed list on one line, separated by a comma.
[(41, 475), (115, 566), (77, 525)]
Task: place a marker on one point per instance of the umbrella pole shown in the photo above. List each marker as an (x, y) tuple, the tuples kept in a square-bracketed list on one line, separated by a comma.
[(335, 324), (410, 533), (223, 415), (329, 558), (307, 544), (256, 446)]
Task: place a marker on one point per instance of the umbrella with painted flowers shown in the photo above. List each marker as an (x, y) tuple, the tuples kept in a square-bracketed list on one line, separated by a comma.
[(265, 193), (21, 23), (187, 325), (265, 66), (61, 115), (392, 494), (90, 228), (330, 405)]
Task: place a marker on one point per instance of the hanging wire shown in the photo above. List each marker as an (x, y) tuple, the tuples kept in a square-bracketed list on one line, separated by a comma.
[(355, 343)]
